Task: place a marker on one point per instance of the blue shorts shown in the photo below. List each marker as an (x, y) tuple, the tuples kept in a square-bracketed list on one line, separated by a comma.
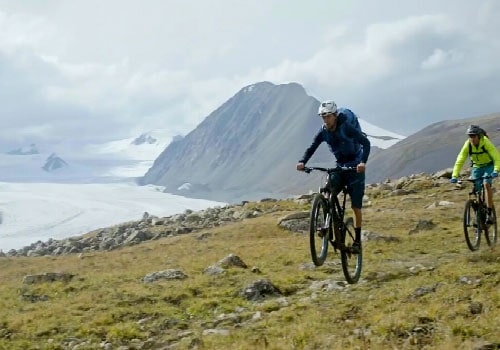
[(355, 183), (482, 171)]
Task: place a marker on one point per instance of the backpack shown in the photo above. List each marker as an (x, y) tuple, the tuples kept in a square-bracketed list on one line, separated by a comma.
[(481, 150), (351, 118)]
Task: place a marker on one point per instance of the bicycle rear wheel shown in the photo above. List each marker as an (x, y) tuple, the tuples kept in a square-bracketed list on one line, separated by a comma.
[(472, 225), (351, 263), (319, 229), (491, 230)]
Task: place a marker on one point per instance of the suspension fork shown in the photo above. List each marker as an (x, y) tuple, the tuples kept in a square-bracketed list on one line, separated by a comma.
[(336, 218)]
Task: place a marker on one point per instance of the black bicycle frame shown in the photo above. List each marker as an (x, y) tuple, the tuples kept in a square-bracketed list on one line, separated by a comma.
[(479, 195), (334, 203)]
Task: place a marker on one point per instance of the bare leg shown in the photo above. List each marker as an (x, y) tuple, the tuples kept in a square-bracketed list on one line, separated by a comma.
[(358, 217)]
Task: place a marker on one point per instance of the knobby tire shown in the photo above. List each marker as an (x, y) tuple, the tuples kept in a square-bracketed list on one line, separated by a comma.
[(472, 225), (351, 263), (319, 230), (491, 230)]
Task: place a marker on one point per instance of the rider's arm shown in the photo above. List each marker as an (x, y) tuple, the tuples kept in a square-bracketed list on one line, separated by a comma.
[(312, 148), (363, 140), (462, 156), (366, 148), (493, 152)]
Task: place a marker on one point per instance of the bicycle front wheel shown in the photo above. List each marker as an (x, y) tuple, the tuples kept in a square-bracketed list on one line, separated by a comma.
[(351, 263), (472, 225), (319, 229), (491, 230)]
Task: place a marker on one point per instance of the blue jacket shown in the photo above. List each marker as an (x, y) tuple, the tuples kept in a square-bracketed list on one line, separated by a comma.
[(349, 146)]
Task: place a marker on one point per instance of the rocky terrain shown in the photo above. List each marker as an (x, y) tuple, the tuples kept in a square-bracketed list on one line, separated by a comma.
[(240, 277)]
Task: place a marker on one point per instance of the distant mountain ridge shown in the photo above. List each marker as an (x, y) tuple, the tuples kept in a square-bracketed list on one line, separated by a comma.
[(144, 139), (431, 149), (22, 151), (105, 162), (248, 147)]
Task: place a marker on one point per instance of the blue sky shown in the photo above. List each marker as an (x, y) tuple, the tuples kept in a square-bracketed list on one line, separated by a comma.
[(89, 71)]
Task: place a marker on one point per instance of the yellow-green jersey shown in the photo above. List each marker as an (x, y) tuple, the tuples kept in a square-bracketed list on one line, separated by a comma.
[(484, 154)]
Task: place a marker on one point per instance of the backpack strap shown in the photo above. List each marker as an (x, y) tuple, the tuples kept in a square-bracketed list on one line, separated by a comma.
[(481, 151)]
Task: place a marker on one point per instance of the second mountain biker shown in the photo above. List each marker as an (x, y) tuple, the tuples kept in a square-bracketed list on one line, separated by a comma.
[(351, 148), (485, 161)]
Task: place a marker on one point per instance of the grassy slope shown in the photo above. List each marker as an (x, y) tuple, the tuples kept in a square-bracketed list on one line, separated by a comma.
[(107, 299)]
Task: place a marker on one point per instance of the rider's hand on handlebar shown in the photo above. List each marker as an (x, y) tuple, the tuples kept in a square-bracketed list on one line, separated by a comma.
[(453, 180), (360, 168), (494, 174), (300, 166)]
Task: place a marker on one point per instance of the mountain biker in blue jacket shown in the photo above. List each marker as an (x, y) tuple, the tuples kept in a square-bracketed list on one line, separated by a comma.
[(351, 148)]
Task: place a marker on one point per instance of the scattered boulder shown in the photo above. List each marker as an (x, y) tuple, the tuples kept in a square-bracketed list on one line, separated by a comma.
[(170, 274), (295, 222), (232, 260), (421, 291), (260, 289), (422, 225), (476, 308), (48, 277)]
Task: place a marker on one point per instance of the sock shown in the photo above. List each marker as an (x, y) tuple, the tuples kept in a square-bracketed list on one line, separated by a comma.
[(357, 230)]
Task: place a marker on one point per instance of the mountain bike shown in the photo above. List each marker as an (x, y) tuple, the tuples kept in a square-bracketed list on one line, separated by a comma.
[(327, 225), (475, 213)]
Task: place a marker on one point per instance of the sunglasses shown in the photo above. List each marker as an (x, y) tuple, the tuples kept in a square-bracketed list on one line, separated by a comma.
[(324, 115)]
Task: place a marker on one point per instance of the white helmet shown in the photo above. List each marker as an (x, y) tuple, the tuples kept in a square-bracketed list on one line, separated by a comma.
[(327, 107)]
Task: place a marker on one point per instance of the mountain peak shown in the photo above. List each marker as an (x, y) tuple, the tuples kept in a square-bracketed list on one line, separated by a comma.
[(54, 162), (32, 149), (266, 85), (144, 139), (247, 147)]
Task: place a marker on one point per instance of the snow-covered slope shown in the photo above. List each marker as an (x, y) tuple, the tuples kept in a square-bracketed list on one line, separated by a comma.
[(97, 163), (379, 137), (146, 146), (137, 153), (38, 211)]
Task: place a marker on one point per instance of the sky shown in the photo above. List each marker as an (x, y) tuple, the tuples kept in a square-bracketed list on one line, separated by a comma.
[(76, 72)]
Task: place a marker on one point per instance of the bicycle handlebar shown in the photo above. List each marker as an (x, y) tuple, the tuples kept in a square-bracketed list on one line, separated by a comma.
[(330, 170), (484, 177)]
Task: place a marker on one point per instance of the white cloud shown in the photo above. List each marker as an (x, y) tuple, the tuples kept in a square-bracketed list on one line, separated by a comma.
[(123, 66), (440, 58), (24, 30)]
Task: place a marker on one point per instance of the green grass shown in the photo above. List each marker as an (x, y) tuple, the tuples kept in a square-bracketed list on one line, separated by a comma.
[(107, 301)]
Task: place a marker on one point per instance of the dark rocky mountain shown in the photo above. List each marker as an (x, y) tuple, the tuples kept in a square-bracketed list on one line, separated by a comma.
[(23, 151), (247, 148), (144, 138), (53, 163), (430, 149)]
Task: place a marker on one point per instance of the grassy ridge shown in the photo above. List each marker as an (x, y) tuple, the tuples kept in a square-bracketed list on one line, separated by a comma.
[(425, 291)]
